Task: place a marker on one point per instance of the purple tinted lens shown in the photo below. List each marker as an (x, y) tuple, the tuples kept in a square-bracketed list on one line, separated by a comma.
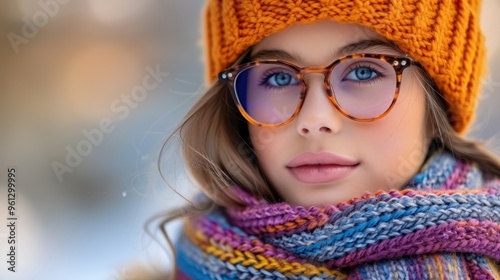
[(364, 87), (269, 93)]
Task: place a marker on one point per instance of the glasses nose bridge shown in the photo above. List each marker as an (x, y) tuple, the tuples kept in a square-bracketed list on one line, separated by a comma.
[(308, 82), (312, 70)]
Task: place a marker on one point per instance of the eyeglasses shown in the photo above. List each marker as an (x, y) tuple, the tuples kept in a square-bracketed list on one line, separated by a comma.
[(363, 87)]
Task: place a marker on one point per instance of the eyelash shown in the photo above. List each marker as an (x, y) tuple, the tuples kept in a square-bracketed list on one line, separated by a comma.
[(268, 74), (351, 68)]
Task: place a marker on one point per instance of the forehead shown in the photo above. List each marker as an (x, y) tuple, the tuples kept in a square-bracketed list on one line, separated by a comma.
[(324, 40)]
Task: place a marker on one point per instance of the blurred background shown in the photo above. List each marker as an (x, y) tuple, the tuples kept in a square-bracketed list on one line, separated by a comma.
[(89, 91)]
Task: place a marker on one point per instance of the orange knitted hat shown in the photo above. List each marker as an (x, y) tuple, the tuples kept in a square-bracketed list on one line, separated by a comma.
[(443, 35)]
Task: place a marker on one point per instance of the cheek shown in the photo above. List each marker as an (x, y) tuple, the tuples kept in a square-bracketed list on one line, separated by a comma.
[(272, 146), (400, 140), (265, 142), (406, 123), (263, 139)]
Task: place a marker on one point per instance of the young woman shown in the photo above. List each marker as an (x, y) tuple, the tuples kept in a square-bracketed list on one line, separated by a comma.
[(330, 144)]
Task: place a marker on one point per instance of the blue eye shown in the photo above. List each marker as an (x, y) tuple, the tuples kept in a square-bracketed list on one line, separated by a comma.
[(281, 79), (362, 74)]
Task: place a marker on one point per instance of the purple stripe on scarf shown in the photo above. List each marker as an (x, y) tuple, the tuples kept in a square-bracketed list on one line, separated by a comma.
[(477, 272), (285, 219), (466, 237), (276, 220), (214, 232), (458, 177)]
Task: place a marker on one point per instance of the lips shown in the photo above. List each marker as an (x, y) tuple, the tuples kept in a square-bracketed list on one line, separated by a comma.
[(317, 168)]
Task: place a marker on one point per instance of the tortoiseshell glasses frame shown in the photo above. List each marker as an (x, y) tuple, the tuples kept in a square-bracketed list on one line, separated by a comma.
[(398, 63)]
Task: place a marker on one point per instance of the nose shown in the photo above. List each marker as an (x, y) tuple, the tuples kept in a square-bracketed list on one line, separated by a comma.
[(318, 116)]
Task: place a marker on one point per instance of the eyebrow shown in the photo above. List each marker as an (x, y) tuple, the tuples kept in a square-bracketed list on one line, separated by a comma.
[(345, 50)]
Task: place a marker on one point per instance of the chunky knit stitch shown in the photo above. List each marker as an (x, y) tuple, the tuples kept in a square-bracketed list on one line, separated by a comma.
[(444, 224), (443, 35)]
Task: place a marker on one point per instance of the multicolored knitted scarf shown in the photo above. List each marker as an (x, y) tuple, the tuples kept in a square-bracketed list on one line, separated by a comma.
[(445, 224)]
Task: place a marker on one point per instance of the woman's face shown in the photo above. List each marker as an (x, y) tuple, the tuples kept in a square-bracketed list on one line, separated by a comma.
[(322, 157)]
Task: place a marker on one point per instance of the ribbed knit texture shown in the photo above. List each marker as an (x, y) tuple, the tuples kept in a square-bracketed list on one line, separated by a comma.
[(445, 224), (443, 35)]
